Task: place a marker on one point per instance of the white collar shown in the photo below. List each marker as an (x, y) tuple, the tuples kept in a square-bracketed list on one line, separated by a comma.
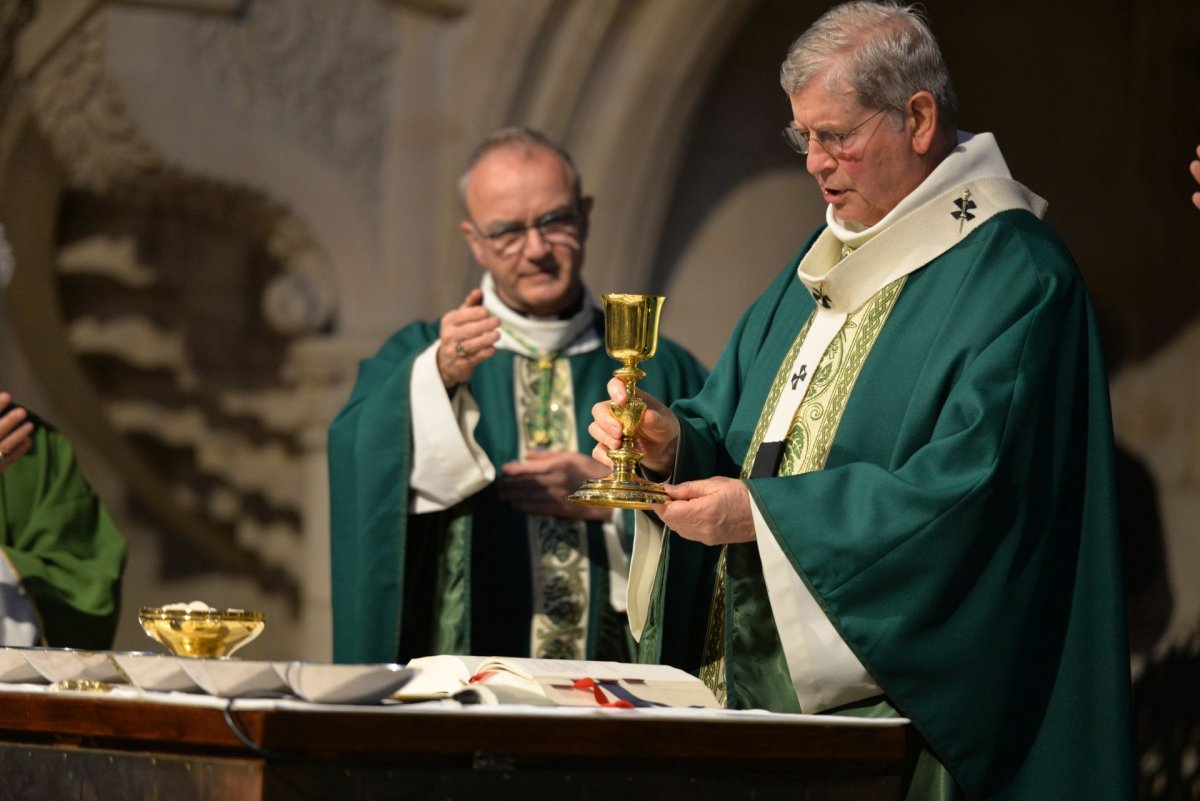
[(975, 156), (970, 186), (564, 337)]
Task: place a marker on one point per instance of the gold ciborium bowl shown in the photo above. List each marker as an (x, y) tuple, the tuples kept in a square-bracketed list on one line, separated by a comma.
[(205, 633)]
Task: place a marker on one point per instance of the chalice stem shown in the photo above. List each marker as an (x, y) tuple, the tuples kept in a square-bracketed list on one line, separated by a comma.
[(625, 460)]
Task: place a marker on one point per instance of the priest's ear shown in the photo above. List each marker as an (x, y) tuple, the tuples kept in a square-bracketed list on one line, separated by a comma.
[(475, 241), (922, 118)]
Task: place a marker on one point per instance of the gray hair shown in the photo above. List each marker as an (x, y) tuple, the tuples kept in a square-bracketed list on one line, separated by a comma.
[(518, 137), (885, 51)]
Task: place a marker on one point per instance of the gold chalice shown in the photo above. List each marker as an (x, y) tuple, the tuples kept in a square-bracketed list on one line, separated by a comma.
[(630, 336), (209, 632)]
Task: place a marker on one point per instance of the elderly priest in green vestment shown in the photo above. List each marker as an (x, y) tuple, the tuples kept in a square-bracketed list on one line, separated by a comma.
[(61, 556), (904, 455), (451, 462)]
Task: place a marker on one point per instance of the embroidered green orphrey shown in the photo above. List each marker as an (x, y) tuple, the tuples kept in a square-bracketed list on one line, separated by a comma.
[(816, 421), (559, 546), (809, 438)]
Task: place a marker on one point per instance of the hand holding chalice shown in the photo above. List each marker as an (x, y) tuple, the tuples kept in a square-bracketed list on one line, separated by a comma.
[(630, 336)]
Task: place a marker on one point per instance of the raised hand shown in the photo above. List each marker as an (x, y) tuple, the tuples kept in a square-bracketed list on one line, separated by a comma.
[(16, 432), (657, 437), (467, 337)]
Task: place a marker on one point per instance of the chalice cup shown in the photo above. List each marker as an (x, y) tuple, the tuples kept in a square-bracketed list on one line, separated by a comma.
[(630, 336)]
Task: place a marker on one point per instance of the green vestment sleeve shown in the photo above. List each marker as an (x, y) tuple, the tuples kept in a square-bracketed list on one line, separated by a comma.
[(962, 536), (64, 546), (370, 446)]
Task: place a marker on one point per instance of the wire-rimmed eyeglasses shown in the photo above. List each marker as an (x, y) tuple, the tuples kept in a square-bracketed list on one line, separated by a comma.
[(556, 228), (832, 143)]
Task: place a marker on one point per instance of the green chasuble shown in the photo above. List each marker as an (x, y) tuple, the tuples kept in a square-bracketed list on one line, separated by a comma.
[(961, 536), (62, 543), (456, 581)]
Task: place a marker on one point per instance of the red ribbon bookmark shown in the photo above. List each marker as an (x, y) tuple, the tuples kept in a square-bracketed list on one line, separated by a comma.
[(586, 684)]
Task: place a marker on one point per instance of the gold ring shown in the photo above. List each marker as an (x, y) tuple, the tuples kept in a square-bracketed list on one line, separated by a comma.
[(458, 348)]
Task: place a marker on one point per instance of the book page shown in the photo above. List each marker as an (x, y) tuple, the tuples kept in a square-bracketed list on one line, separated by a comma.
[(578, 668), (542, 682), (654, 685), (438, 676)]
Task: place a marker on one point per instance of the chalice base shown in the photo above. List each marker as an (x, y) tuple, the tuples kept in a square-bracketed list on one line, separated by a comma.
[(635, 493)]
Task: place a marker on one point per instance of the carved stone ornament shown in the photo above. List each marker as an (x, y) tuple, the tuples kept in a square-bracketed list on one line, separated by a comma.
[(184, 297), (301, 300), (14, 16), (314, 73), (83, 117)]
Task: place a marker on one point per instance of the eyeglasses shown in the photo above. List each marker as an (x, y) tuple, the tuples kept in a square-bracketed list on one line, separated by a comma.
[(555, 228), (832, 143)]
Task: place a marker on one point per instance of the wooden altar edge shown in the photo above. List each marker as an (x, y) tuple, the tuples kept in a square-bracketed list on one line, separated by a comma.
[(411, 735)]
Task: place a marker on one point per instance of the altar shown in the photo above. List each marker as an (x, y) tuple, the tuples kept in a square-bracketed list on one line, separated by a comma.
[(131, 744)]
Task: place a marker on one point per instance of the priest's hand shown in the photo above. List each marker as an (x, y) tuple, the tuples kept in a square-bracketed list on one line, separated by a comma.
[(467, 337), (540, 484), (657, 438), (16, 432), (714, 511)]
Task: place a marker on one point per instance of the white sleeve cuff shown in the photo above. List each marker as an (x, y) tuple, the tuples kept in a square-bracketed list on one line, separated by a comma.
[(618, 561), (447, 464), (824, 670), (648, 536)]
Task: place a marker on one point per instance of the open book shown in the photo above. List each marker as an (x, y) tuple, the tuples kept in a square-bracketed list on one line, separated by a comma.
[(552, 682)]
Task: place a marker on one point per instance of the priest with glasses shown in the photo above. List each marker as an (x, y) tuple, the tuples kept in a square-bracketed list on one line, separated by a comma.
[(452, 460), (904, 458)]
